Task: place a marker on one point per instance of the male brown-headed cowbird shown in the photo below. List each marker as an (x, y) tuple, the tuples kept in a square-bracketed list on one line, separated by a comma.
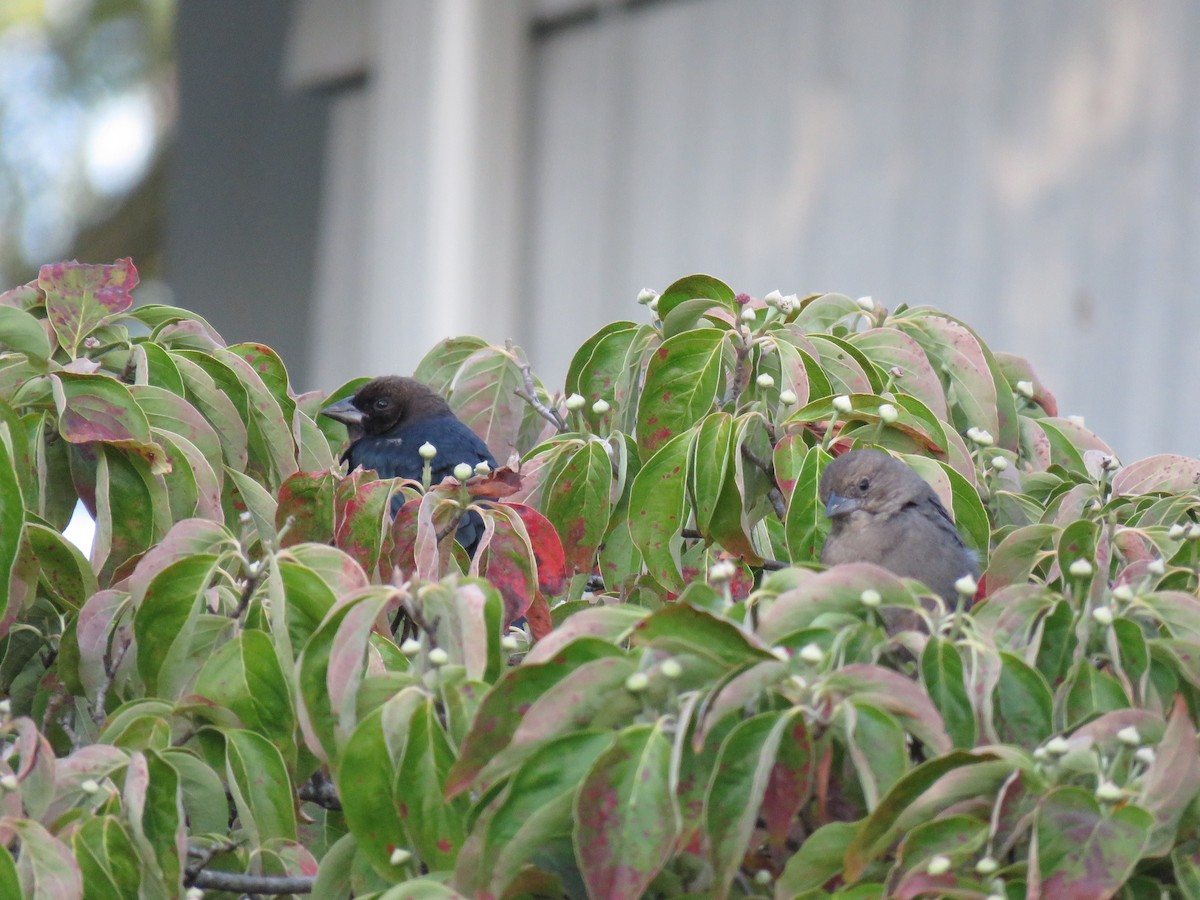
[(885, 513), (388, 421)]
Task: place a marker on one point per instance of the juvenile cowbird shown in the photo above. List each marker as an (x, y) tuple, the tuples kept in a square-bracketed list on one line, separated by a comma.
[(388, 421), (884, 513)]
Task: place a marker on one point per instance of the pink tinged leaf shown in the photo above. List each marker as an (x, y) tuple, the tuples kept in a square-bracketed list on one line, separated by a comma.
[(100, 408), (624, 820), (80, 298), (509, 562), (1167, 473), (46, 866), (26, 296), (548, 551), (484, 398), (1173, 779)]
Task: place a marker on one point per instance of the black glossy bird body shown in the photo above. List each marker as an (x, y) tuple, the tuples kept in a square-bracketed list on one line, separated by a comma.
[(390, 418), (885, 513)]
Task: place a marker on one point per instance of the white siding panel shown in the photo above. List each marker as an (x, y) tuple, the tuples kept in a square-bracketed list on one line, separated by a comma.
[(1028, 165)]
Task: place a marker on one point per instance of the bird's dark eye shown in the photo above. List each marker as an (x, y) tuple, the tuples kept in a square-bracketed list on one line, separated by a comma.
[(383, 403), (863, 484)]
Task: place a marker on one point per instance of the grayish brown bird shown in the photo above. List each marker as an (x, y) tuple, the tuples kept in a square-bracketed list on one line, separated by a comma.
[(885, 513)]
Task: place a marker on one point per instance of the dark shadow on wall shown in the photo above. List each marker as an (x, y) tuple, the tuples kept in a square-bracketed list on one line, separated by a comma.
[(244, 179)]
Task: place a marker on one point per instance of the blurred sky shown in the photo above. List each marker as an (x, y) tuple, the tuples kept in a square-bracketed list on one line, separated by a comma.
[(87, 101), (87, 104)]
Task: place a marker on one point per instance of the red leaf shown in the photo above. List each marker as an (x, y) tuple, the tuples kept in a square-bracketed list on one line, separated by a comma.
[(502, 482), (548, 552), (538, 617), (505, 558), (307, 499)]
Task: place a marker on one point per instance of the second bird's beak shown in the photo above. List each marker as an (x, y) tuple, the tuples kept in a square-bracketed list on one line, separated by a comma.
[(838, 505), (346, 412)]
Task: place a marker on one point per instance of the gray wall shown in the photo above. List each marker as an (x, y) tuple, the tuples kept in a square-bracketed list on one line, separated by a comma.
[(245, 179), (1032, 166)]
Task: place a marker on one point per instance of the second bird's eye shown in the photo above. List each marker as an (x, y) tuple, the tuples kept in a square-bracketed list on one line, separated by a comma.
[(383, 403), (863, 484)]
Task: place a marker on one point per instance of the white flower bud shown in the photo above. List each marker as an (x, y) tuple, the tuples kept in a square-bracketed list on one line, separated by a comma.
[(410, 647), (747, 314), (1076, 420), (8, 782), (427, 451), (194, 893), (842, 404), (1156, 566), (867, 303), (981, 436), (781, 653), (999, 463), (438, 657), (1080, 568), (575, 402), (888, 413), (789, 304), (646, 295), (1108, 792), (938, 865), (1193, 532), (1025, 389), (722, 570), (987, 865), (1176, 531), (637, 682), (1144, 755), (89, 786), (463, 471), (482, 468), (399, 856), (1040, 754), (870, 597), (5, 707), (812, 654), (671, 669), (1102, 615), (600, 407), (1129, 736), (1057, 746), (765, 381), (509, 643), (773, 298), (762, 877), (787, 397), (966, 586), (1123, 593)]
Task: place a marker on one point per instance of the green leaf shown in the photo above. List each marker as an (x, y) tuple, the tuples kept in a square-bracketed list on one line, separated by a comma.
[(107, 859), (12, 522), (434, 825), (535, 808), (258, 780), (577, 503), (805, 523), (484, 398), (227, 418), (1023, 705), (878, 747), (625, 823), (80, 298), (1084, 850), (440, 366), (683, 628), (736, 790), (244, 676), (23, 332), (657, 510), (366, 778), (681, 387), (165, 622), (943, 677), (1091, 692), (818, 859), (691, 287)]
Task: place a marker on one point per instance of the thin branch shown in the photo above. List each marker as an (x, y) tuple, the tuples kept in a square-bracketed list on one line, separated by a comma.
[(739, 379), (248, 589), (774, 495), (110, 673), (772, 564), (237, 883), (528, 393)]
